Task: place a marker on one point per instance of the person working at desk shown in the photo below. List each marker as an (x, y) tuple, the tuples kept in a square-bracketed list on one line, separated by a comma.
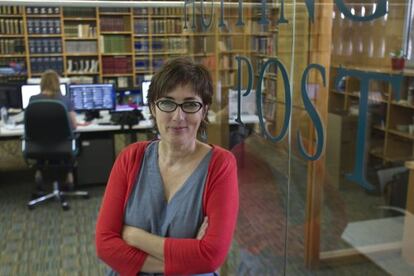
[(50, 89), (170, 205)]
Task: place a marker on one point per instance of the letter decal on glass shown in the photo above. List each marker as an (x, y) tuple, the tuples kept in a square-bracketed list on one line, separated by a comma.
[(288, 100), (203, 22), (380, 11), (358, 175), (186, 2), (239, 88), (313, 114)]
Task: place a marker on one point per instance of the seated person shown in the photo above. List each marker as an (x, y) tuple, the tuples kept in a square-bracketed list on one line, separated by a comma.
[(49, 87)]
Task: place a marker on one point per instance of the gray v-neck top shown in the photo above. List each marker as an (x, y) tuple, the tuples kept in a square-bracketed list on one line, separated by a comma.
[(148, 209)]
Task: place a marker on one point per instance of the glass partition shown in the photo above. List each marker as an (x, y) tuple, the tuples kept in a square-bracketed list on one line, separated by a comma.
[(314, 98)]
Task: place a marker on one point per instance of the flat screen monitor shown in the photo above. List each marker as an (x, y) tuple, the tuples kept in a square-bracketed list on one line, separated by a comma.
[(92, 97), (10, 96), (145, 87), (29, 90), (128, 100), (248, 103)]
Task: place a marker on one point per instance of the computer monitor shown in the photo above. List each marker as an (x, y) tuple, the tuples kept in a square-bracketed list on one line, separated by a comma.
[(92, 97), (145, 87), (248, 103), (10, 96), (128, 100), (29, 90), (38, 80)]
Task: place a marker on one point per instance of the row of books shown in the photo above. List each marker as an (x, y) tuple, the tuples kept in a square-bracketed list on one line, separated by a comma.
[(119, 82), (157, 63), (83, 79), (11, 10), (40, 64), (159, 26), (260, 44), (11, 46), (115, 24), (115, 44), (167, 11), (45, 45), (172, 44), (116, 65), (226, 62), (42, 10), (81, 47), (11, 26), (166, 26), (43, 26), (141, 11), (158, 11), (80, 30), (79, 12), (82, 65), (141, 26), (203, 45), (256, 27), (144, 64), (113, 10)]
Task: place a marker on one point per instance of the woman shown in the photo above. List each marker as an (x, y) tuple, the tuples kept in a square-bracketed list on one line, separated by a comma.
[(170, 205), (50, 89)]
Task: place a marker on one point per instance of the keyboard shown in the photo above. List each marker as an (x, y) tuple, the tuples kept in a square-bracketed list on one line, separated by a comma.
[(13, 127), (105, 124), (18, 118)]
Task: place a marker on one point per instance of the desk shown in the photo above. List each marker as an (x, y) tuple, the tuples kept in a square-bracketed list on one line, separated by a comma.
[(247, 119), (13, 132), (97, 150)]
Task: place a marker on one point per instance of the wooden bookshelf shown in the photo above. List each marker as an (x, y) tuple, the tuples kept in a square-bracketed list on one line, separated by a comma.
[(389, 116), (149, 37)]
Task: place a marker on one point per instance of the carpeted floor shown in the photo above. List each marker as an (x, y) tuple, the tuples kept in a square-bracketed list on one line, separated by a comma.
[(50, 241), (46, 240)]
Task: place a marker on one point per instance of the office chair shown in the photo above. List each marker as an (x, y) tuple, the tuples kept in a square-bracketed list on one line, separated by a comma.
[(49, 143)]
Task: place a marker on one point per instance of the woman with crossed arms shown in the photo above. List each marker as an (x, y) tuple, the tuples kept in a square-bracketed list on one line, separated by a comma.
[(170, 205)]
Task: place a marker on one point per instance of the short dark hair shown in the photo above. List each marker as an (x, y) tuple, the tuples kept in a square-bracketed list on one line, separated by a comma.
[(181, 72)]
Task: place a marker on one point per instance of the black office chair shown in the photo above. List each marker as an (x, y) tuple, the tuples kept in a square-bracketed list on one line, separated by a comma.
[(49, 144)]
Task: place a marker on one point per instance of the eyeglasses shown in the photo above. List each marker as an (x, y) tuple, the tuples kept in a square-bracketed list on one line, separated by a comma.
[(170, 106)]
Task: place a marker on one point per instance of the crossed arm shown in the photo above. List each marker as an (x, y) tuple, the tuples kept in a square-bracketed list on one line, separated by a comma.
[(129, 250), (153, 245)]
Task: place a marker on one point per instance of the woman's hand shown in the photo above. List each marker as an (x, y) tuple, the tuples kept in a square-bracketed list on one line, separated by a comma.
[(203, 228)]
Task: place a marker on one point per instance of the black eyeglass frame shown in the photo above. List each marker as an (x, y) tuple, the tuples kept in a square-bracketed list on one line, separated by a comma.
[(157, 103)]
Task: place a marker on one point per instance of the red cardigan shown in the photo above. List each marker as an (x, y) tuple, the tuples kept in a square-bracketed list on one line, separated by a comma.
[(181, 256)]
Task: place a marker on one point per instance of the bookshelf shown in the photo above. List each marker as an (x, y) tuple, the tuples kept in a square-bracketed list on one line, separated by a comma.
[(44, 40), (261, 44), (81, 44), (391, 122), (158, 35), (126, 45), (390, 137), (115, 49), (12, 44)]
